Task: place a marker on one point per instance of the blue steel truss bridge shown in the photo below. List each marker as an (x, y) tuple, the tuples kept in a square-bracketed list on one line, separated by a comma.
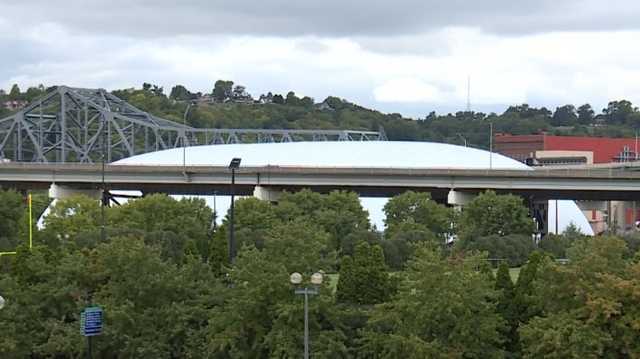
[(82, 125)]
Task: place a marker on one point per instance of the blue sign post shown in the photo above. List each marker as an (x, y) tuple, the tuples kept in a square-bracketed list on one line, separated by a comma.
[(91, 324)]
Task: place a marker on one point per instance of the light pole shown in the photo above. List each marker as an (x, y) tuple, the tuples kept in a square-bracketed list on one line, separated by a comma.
[(464, 139), (184, 137), (234, 165), (316, 280)]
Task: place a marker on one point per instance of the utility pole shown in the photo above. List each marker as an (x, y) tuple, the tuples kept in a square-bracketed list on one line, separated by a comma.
[(469, 93), (490, 145)]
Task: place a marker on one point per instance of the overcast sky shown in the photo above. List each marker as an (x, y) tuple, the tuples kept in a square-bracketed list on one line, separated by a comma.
[(407, 56)]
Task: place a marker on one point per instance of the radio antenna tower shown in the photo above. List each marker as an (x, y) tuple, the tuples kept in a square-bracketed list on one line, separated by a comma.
[(468, 93)]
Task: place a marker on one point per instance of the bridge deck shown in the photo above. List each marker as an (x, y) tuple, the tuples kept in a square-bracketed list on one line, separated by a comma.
[(585, 184)]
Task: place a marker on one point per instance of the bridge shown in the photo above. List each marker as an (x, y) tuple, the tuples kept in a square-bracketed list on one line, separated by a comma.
[(582, 184), (83, 125)]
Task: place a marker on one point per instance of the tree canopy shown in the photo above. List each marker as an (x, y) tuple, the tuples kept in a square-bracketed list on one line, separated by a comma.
[(162, 276)]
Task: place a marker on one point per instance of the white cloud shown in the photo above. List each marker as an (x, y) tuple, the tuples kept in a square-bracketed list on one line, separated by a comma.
[(407, 90), (419, 73)]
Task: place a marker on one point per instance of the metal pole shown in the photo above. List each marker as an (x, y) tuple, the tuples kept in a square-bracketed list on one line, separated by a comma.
[(215, 211), (89, 351), (232, 243), (557, 217), (490, 145), (30, 221), (184, 139), (306, 323), (103, 234)]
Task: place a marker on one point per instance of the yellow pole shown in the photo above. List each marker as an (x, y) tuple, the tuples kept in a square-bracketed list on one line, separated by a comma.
[(30, 223), (7, 253)]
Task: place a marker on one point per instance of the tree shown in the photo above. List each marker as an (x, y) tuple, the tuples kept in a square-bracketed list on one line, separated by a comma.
[(306, 101), (15, 93), (278, 99), (505, 307), (585, 114), (557, 245), (240, 92), (419, 209), (587, 306), (69, 218), (180, 93), (33, 93), (364, 278), (11, 213), (617, 112), (514, 248), (260, 310), (167, 223), (460, 319), (564, 116), (492, 214), (253, 219), (222, 90), (292, 99), (340, 213)]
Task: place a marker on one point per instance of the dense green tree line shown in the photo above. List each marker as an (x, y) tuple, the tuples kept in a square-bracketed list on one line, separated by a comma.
[(619, 119), (168, 290)]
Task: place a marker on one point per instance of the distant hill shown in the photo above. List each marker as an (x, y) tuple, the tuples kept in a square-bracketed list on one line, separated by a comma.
[(233, 107)]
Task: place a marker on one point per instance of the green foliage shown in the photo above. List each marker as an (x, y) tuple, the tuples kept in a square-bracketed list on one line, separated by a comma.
[(588, 306), (364, 278), (444, 308), (340, 213), (222, 90), (12, 211), (514, 248), (419, 209), (557, 245), (413, 218), (506, 309), (491, 214), (180, 93), (153, 308), (168, 290)]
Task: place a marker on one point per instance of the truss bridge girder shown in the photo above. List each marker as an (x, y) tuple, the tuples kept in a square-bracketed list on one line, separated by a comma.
[(83, 125)]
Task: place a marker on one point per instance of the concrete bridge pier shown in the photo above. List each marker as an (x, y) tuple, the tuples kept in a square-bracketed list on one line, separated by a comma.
[(459, 199), (63, 192), (267, 194)]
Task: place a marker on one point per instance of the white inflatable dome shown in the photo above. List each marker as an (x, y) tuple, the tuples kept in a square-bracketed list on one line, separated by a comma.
[(382, 154)]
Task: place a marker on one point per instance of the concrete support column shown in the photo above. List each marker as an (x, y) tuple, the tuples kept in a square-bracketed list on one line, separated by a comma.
[(266, 194), (62, 192), (459, 199)]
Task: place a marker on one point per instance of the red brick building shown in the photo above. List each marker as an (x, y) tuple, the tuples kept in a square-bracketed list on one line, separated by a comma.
[(567, 148)]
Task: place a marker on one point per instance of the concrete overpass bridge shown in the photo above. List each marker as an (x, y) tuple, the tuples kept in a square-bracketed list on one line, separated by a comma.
[(542, 184)]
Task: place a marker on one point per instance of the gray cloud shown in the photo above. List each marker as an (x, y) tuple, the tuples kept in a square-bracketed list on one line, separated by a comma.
[(328, 18)]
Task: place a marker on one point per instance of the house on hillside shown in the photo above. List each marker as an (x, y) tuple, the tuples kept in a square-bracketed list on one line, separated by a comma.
[(240, 95), (264, 99), (324, 106), (14, 105)]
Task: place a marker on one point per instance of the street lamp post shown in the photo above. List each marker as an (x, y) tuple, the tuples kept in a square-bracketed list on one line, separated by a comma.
[(234, 165), (316, 280), (184, 138), (463, 139)]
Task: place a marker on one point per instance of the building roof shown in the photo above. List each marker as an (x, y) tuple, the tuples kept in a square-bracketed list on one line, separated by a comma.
[(379, 154)]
